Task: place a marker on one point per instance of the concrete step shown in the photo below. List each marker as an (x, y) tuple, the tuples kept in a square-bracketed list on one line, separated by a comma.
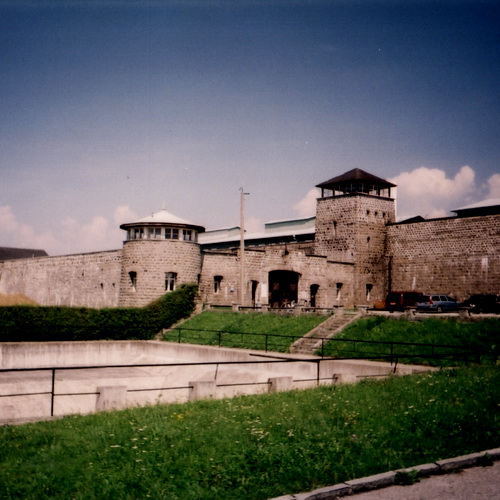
[(312, 341)]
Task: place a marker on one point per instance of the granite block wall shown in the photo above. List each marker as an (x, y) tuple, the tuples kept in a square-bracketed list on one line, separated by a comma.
[(83, 280), (334, 280), (455, 256)]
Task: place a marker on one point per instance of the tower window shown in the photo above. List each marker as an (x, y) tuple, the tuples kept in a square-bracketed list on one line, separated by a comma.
[(137, 233), (369, 288), (133, 279), (171, 233), (187, 235), (338, 290), (170, 281)]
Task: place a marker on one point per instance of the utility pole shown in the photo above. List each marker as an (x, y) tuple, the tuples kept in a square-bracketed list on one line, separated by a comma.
[(242, 246)]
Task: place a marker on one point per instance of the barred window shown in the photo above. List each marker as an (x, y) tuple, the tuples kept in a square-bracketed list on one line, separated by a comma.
[(170, 281)]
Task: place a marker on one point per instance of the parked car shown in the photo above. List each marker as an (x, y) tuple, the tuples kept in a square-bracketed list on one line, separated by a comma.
[(437, 303), (399, 301), (483, 303)]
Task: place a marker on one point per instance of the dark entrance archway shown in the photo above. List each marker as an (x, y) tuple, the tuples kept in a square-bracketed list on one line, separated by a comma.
[(283, 287)]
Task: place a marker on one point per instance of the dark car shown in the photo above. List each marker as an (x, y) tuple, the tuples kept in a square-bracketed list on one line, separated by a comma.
[(437, 303), (399, 301), (483, 303)]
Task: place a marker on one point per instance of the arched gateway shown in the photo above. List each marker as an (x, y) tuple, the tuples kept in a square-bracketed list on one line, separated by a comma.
[(283, 287)]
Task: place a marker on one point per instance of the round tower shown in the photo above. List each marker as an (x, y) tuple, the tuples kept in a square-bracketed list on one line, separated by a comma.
[(160, 253)]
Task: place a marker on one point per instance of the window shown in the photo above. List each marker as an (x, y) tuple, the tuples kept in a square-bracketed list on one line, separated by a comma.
[(187, 235), (313, 293), (217, 283), (170, 280), (137, 233), (255, 284), (171, 233), (157, 235), (338, 290), (369, 288), (133, 279)]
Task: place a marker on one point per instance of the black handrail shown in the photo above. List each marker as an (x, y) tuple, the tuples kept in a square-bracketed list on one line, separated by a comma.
[(462, 350)]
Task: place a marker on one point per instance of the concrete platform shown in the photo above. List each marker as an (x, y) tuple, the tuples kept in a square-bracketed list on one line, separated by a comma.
[(50, 379)]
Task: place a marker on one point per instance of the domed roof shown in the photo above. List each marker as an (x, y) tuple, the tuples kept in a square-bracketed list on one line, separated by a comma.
[(162, 218)]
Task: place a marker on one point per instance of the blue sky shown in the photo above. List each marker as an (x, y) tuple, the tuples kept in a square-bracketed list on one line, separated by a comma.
[(111, 110)]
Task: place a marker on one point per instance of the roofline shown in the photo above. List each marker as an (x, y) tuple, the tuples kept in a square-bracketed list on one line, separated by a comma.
[(356, 174), (186, 225)]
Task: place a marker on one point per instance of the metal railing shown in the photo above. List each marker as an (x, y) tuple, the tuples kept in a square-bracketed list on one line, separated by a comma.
[(53, 393), (394, 350)]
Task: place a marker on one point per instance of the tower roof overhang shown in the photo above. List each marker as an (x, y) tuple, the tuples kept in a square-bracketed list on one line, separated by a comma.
[(357, 181), (162, 219)]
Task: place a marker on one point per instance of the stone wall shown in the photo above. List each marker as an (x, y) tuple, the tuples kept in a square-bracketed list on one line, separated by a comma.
[(455, 256), (354, 248), (83, 280), (259, 262)]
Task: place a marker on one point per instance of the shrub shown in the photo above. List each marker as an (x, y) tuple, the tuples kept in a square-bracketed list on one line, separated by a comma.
[(40, 324)]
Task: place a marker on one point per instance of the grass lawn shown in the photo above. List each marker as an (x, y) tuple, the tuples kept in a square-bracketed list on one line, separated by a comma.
[(277, 333), (254, 447), (255, 330), (477, 335)]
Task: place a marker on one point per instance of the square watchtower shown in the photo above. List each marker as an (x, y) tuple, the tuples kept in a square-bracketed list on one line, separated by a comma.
[(351, 219)]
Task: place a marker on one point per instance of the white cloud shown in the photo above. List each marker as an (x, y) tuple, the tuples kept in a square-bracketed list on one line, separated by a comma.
[(99, 234), (72, 235), (253, 225), (123, 214), (16, 234), (494, 186), (307, 206), (89, 237), (427, 192), (430, 193)]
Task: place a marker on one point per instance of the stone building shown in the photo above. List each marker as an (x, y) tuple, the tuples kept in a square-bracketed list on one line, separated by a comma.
[(350, 254)]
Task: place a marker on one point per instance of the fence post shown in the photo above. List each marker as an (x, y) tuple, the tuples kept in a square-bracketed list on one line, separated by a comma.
[(53, 390), (219, 336), (266, 336), (179, 339)]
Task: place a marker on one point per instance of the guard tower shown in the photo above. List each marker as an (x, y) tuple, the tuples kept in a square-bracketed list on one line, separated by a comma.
[(351, 219), (161, 252)]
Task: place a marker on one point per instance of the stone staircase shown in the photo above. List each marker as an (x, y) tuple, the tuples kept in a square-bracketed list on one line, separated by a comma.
[(311, 342)]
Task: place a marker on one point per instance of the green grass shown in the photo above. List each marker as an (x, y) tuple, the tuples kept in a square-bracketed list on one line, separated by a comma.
[(219, 328), (478, 335), (277, 333), (254, 447)]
